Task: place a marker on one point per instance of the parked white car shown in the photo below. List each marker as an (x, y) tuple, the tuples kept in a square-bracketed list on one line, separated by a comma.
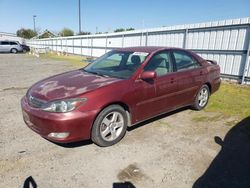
[(10, 46)]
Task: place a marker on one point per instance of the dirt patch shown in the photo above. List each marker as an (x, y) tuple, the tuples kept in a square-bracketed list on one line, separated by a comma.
[(14, 88), (131, 173)]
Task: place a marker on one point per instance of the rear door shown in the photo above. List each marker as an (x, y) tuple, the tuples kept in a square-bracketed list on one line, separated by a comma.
[(4, 46), (189, 76)]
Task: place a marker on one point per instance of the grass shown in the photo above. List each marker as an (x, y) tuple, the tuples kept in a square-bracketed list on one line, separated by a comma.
[(76, 60), (207, 118), (231, 100)]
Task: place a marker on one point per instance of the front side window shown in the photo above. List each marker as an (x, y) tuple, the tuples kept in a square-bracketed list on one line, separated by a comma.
[(117, 64), (160, 63), (184, 61)]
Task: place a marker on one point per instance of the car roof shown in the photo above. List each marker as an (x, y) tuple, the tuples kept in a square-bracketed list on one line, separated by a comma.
[(153, 49), (147, 49)]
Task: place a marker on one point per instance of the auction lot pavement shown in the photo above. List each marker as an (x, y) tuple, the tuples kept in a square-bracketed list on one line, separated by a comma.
[(169, 151)]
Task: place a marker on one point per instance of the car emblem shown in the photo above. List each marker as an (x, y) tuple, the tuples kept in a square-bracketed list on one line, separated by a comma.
[(31, 97)]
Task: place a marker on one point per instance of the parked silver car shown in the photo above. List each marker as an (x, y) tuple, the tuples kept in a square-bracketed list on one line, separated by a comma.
[(10, 46)]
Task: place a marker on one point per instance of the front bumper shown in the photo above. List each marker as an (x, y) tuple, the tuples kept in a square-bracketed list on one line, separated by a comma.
[(78, 124)]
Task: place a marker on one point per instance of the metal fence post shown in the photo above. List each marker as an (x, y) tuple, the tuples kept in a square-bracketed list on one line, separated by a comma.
[(56, 45), (61, 46), (185, 38), (52, 47), (91, 46), (106, 43), (246, 65), (73, 46), (123, 40), (81, 45), (67, 45), (146, 40), (141, 38)]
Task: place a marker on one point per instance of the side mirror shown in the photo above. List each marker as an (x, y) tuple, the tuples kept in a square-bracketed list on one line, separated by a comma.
[(148, 75)]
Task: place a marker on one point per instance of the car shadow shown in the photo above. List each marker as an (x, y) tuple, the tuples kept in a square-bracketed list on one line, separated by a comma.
[(231, 167), (143, 123), (123, 185), (29, 183), (89, 142), (73, 144)]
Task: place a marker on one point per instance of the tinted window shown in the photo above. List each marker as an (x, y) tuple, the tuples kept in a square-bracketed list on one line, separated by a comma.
[(4, 43), (133, 58), (160, 63), (184, 61), (13, 43)]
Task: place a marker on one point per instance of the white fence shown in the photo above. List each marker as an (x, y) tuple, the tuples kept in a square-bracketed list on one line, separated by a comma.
[(226, 41)]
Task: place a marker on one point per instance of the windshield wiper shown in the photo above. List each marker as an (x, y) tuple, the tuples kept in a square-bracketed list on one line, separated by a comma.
[(96, 73)]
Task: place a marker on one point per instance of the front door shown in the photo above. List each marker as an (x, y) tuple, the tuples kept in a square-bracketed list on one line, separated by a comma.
[(158, 95), (4, 46)]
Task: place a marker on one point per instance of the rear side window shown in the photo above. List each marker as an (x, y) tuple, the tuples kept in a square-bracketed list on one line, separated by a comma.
[(4, 43), (184, 61), (13, 43)]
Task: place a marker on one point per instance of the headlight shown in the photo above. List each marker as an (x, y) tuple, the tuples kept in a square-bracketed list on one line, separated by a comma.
[(66, 105)]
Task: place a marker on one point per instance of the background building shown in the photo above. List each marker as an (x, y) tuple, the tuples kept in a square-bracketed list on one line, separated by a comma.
[(11, 36)]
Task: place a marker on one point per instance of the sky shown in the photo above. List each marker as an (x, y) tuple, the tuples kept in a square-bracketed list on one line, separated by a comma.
[(108, 15)]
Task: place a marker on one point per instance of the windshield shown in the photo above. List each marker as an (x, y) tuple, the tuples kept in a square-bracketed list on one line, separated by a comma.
[(117, 64)]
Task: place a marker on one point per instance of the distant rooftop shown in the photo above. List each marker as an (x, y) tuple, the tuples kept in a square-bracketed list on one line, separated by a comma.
[(8, 34)]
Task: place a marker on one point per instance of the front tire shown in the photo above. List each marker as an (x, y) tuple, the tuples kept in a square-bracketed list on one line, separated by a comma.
[(110, 126), (202, 98)]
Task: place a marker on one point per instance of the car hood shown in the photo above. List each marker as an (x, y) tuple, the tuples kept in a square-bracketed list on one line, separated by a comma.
[(68, 85)]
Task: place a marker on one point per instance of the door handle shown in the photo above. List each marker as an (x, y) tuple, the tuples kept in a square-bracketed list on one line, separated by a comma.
[(171, 80), (138, 81), (201, 73)]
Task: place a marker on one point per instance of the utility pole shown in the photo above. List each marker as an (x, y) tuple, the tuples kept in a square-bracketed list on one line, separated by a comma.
[(79, 11), (34, 22)]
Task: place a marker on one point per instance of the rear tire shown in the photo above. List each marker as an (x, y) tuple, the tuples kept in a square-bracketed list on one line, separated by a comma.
[(110, 126), (201, 98), (13, 50)]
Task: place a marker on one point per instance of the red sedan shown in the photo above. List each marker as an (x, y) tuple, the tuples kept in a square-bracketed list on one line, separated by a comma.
[(119, 89)]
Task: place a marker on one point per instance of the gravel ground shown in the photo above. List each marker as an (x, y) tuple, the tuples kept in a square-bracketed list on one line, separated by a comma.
[(169, 151)]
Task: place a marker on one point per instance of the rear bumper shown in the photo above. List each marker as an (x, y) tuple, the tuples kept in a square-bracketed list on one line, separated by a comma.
[(77, 124), (216, 85)]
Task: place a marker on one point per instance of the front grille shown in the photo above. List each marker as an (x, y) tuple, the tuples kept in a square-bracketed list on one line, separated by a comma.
[(35, 102)]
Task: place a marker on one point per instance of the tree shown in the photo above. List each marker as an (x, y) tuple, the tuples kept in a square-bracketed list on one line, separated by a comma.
[(130, 29), (122, 29), (119, 30), (84, 33), (26, 33), (66, 32)]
